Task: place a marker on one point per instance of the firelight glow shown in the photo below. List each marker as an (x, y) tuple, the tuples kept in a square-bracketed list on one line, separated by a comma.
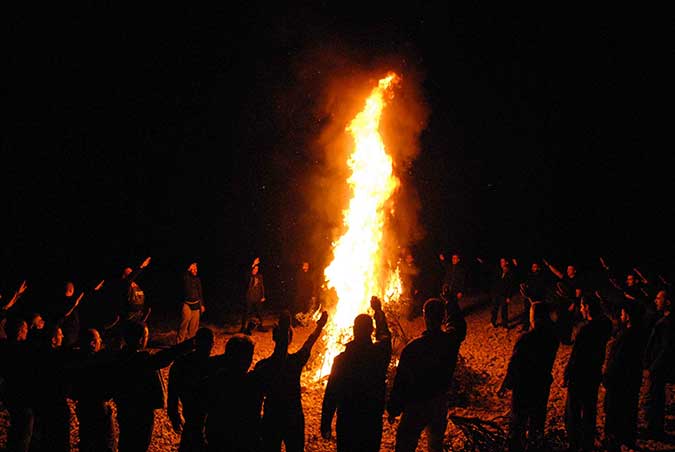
[(359, 269)]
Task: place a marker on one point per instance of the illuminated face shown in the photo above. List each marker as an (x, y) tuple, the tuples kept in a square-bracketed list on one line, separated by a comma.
[(193, 268), (305, 267), (57, 338), (23, 332), (70, 289), (660, 300), (624, 316), (535, 267), (571, 271), (630, 280), (127, 272), (254, 270), (455, 259), (95, 343), (504, 264), (409, 258)]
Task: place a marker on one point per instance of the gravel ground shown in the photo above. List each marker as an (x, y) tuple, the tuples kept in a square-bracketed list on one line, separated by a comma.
[(483, 360)]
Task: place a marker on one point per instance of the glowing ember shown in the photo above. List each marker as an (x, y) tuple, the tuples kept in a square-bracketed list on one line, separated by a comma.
[(359, 269)]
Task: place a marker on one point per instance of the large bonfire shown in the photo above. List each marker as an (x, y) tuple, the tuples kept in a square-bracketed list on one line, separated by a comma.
[(360, 269)]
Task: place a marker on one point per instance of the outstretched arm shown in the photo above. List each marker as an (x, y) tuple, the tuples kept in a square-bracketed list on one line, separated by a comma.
[(553, 270), (311, 340), (22, 288)]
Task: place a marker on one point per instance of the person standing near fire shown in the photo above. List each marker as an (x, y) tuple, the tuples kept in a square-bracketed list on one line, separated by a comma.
[(255, 297), (193, 304), (305, 295)]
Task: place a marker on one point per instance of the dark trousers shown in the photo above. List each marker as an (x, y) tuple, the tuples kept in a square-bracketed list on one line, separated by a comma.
[(20, 432), (499, 305), (526, 313), (251, 308), (96, 426), (288, 429), (135, 428), (655, 404), (621, 411), (528, 417), (580, 416)]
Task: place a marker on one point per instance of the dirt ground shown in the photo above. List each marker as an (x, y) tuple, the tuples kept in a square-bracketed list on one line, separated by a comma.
[(483, 360)]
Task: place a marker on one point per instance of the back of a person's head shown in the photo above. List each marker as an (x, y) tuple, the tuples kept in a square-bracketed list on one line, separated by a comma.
[(593, 306), (433, 310), (239, 351), (363, 327), (133, 333), (539, 313), (204, 339)]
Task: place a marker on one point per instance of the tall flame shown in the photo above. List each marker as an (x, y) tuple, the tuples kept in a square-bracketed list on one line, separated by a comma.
[(359, 269)]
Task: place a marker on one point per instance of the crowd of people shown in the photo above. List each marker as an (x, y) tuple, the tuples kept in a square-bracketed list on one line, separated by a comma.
[(618, 333)]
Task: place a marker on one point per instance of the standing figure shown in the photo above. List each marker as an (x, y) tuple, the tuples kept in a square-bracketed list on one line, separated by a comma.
[(528, 376), (305, 294), (357, 384), (255, 297), (503, 289), (409, 272), (583, 375), (283, 419), (659, 365), (139, 388), (569, 290), (93, 395), (622, 378), (423, 378), (193, 304), (534, 287), (187, 378), (454, 277), (232, 385)]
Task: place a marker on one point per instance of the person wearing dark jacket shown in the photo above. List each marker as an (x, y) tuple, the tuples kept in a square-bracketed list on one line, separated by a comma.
[(659, 367), (283, 418), (422, 381), (230, 384), (357, 384), (91, 390), (254, 297), (454, 280), (503, 289), (193, 304), (583, 374), (187, 385), (622, 378), (529, 378), (139, 386)]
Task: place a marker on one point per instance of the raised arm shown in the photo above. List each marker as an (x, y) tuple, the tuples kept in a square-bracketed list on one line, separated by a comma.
[(312, 338), (22, 288), (553, 270)]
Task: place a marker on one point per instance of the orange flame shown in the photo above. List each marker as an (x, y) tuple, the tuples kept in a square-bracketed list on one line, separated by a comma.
[(358, 269)]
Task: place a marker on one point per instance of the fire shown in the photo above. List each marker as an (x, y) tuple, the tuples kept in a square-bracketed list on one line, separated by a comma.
[(359, 268)]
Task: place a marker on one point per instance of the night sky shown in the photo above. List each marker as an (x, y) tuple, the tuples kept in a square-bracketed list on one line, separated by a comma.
[(190, 133)]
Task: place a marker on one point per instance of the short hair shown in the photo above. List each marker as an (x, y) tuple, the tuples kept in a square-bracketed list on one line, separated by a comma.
[(133, 333), (204, 338), (363, 326), (540, 310), (433, 309), (593, 304), (239, 349)]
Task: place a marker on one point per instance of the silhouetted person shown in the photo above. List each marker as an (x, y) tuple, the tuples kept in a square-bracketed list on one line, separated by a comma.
[(503, 288), (622, 379), (568, 291), (283, 418), (423, 378), (92, 392), (357, 384), (583, 375), (187, 384), (137, 393), (234, 400), (305, 292), (454, 320), (535, 286), (454, 280), (18, 372), (254, 298), (193, 304), (51, 431), (659, 366), (528, 376)]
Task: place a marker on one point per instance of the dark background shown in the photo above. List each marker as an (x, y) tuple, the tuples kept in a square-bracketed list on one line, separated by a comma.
[(187, 133)]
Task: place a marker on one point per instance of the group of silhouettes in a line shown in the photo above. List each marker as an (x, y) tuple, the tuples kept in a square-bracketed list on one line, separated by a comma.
[(618, 335)]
